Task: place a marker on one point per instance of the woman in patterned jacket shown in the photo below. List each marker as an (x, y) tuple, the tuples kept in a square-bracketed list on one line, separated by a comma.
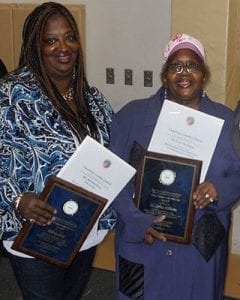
[(46, 109)]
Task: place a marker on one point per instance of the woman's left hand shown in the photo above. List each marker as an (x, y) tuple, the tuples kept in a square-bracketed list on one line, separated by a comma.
[(204, 194)]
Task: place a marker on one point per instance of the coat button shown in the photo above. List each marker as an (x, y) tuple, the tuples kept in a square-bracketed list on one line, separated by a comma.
[(169, 252)]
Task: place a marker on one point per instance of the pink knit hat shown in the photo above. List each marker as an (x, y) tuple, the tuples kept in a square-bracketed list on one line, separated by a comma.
[(184, 41)]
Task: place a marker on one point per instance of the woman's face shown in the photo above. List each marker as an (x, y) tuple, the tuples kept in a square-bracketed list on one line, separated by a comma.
[(59, 48), (185, 87)]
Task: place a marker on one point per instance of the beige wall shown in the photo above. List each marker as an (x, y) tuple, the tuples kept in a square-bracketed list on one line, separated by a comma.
[(232, 84), (216, 23)]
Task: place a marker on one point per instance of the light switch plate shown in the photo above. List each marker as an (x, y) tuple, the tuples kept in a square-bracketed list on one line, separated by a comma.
[(109, 75), (148, 78), (128, 76)]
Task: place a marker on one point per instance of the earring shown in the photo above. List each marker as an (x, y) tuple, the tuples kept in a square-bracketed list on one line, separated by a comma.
[(203, 94), (74, 73), (165, 93)]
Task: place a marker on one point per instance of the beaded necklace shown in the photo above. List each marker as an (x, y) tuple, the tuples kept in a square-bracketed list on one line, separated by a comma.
[(69, 95)]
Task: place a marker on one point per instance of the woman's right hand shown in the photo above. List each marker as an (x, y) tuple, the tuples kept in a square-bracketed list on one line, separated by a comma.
[(33, 209), (152, 234)]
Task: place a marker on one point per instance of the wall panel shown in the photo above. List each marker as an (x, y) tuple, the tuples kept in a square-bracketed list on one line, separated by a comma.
[(6, 34)]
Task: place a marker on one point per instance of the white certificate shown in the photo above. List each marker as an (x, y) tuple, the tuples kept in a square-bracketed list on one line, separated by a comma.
[(98, 170), (186, 132)]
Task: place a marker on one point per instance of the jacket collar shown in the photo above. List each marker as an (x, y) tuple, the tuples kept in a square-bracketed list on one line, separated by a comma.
[(154, 107)]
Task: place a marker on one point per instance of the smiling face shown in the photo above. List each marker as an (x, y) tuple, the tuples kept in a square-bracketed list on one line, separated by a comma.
[(59, 48), (185, 87)]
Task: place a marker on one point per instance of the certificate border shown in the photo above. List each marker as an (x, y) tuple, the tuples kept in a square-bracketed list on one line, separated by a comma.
[(196, 164), (25, 232)]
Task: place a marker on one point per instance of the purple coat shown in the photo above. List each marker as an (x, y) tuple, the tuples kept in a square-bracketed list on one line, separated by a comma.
[(168, 270)]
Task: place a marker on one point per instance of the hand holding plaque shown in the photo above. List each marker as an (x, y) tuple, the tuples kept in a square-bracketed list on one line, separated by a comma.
[(77, 212), (164, 186)]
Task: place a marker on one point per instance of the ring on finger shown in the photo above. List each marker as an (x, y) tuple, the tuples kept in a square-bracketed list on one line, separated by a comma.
[(207, 196), (211, 199), (31, 220)]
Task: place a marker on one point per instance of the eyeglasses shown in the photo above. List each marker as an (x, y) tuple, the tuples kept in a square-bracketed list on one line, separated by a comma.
[(190, 67)]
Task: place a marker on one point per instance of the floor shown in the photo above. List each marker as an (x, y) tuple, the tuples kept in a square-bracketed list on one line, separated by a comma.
[(100, 286)]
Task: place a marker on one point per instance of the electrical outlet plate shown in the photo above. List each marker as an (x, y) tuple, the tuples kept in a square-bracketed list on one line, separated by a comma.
[(109, 75), (128, 77), (148, 78)]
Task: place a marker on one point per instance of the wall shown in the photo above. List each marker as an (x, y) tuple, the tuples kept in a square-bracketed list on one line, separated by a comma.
[(126, 34), (233, 54)]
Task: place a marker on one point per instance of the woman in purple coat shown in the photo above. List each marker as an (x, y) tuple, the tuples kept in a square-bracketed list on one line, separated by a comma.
[(148, 266)]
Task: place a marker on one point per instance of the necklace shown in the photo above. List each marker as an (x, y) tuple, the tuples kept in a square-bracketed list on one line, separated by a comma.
[(69, 95)]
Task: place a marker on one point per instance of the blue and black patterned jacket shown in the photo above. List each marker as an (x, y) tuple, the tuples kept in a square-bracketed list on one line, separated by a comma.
[(35, 142)]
